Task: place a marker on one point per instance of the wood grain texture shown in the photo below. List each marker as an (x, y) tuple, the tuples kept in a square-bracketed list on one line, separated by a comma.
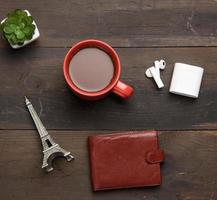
[(142, 31), (122, 23), (189, 171), (37, 73)]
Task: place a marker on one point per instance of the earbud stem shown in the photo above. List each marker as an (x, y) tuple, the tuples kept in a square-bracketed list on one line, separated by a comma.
[(156, 77)]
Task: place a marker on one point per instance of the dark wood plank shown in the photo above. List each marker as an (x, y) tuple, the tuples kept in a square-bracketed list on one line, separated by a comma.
[(122, 23), (189, 171), (37, 73)]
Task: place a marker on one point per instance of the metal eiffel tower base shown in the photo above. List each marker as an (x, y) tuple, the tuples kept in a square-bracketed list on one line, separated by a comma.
[(51, 151)]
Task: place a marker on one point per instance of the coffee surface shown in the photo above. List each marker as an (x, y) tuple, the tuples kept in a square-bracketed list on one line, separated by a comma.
[(91, 69)]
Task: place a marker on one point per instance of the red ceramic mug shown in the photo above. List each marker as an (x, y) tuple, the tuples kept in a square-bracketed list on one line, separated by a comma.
[(116, 86)]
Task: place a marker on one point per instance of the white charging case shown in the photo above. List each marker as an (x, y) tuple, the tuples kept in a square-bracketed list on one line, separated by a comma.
[(186, 80)]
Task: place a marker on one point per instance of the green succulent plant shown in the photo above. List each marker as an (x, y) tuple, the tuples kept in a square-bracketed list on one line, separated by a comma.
[(18, 27)]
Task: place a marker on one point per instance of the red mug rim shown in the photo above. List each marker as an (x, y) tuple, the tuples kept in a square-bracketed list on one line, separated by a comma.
[(98, 44)]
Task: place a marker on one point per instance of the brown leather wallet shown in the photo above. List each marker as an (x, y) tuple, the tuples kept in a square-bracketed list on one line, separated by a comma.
[(125, 160)]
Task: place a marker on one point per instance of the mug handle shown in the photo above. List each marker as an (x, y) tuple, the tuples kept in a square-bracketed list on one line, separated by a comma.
[(123, 90)]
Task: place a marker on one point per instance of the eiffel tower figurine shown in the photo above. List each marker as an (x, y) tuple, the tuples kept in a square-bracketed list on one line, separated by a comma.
[(50, 148)]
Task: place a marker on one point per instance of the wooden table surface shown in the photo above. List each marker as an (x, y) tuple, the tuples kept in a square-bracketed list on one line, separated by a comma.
[(141, 31)]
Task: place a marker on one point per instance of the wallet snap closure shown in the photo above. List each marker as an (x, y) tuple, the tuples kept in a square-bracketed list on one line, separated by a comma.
[(155, 156)]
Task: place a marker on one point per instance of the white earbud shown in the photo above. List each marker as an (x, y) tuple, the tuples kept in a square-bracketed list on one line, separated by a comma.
[(162, 64), (154, 72), (148, 73)]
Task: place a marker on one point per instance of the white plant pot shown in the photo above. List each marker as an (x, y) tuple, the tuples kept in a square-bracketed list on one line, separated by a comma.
[(34, 37)]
